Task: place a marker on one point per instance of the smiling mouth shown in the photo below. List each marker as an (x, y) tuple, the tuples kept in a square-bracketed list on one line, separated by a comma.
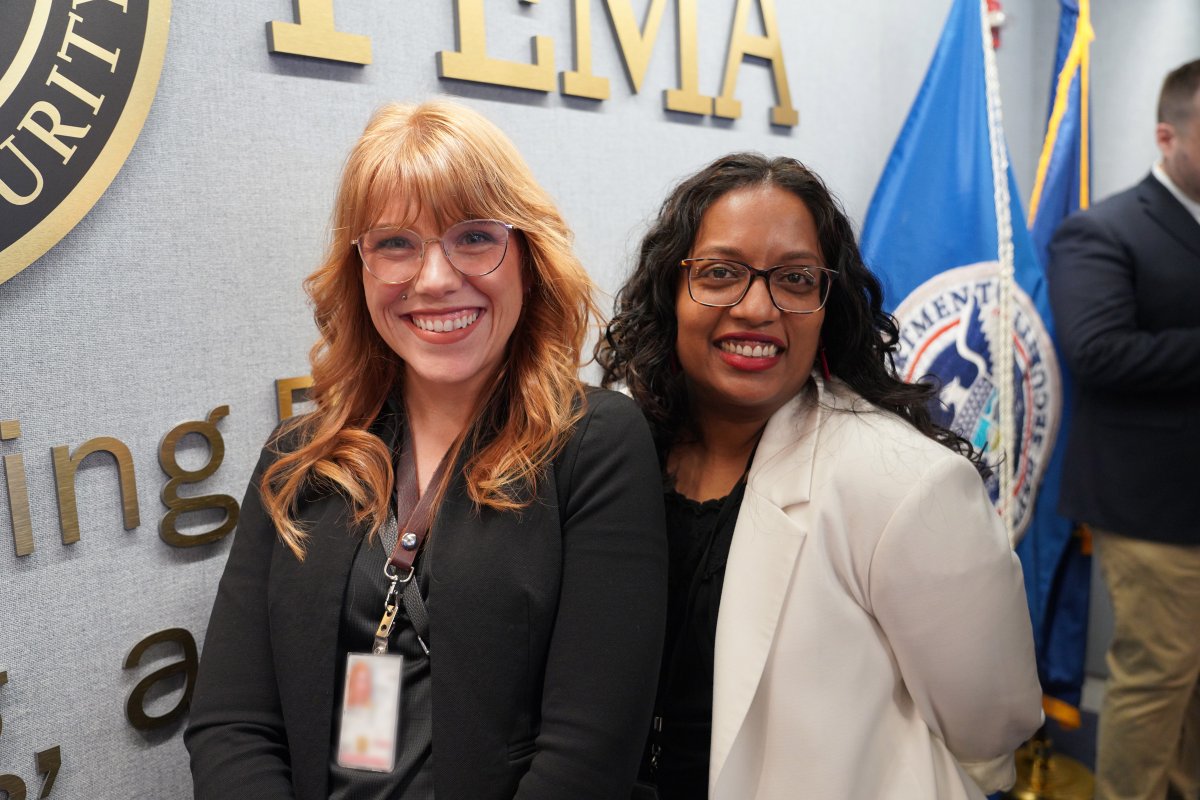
[(446, 323), (747, 350)]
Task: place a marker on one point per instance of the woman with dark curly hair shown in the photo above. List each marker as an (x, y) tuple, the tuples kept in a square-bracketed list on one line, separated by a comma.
[(846, 618)]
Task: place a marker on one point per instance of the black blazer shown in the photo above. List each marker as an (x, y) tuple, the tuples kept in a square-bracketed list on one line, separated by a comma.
[(545, 631), (1125, 289)]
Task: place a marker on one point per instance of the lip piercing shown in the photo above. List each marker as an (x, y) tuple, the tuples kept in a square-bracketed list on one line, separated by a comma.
[(403, 297)]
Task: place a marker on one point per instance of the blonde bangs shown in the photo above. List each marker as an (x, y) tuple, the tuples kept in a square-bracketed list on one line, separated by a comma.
[(441, 160)]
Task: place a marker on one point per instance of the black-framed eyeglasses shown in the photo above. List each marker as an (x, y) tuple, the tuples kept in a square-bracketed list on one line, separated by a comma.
[(722, 283), (474, 247)]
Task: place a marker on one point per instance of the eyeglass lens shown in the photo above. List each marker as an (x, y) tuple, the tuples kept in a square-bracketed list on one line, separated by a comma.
[(474, 248), (795, 288)]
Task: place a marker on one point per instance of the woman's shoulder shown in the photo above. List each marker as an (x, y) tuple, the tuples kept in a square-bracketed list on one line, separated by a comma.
[(608, 419), (288, 436), (285, 438), (608, 402), (605, 412), (296, 432), (864, 431), (611, 440)]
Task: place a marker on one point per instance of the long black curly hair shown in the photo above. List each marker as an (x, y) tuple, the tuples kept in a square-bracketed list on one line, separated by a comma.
[(860, 338)]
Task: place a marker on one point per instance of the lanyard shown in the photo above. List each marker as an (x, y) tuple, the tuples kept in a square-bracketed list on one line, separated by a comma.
[(399, 569)]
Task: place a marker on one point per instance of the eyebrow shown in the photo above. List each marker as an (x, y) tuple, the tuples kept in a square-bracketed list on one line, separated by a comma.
[(723, 251)]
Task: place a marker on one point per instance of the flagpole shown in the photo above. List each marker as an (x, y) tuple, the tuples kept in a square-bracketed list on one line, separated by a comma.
[(1085, 157), (1006, 273)]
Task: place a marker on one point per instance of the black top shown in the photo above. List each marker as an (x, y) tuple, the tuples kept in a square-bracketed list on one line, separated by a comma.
[(412, 776), (698, 540), (546, 625)]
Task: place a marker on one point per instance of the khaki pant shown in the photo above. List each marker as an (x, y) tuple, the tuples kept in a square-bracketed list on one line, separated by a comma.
[(1150, 719)]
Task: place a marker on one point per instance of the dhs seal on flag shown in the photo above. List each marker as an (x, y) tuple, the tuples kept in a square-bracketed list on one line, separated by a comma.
[(947, 330)]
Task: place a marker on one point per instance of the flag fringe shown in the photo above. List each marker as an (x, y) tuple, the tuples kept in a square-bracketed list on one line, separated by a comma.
[(1077, 61)]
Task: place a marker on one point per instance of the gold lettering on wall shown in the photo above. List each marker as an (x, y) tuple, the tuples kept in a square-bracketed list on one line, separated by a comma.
[(119, 3), (65, 466), (14, 786), (73, 39), (581, 81), (285, 393), (636, 43), (168, 451), (63, 82), (9, 194), (313, 35), (135, 706), (18, 491), (52, 137), (768, 47), (687, 98), (49, 762), (470, 62)]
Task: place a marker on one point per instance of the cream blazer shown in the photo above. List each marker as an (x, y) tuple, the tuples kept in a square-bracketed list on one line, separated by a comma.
[(873, 641)]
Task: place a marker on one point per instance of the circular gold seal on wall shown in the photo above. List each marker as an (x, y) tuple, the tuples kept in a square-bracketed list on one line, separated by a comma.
[(77, 81)]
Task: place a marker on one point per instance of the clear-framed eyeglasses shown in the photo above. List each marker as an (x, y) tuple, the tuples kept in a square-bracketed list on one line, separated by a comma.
[(722, 283), (474, 247)]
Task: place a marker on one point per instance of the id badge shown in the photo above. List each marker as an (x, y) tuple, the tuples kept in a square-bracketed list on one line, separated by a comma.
[(370, 712)]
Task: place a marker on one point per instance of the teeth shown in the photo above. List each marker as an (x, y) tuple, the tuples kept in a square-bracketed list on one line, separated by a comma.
[(750, 351), (442, 325)]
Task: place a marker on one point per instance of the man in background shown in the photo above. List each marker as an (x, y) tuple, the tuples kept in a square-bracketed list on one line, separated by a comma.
[(1125, 290)]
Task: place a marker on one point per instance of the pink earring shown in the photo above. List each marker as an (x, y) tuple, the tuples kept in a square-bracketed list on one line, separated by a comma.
[(824, 362)]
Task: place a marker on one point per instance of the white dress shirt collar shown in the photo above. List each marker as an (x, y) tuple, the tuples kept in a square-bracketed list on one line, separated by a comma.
[(1191, 205)]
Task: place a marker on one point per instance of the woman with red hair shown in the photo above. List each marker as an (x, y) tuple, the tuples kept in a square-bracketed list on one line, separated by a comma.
[(451, 311)]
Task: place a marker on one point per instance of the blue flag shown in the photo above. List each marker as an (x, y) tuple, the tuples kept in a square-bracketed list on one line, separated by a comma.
[(1063, 186), (938, 231)]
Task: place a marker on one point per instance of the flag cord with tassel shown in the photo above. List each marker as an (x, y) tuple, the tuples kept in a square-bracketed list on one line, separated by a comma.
[(1002, 367)]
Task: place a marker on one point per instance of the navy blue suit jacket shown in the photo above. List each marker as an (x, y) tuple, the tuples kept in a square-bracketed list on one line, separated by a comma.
[(1125, 288)]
